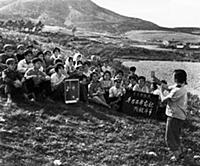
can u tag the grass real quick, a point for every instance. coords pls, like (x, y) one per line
(85, 135)
(77, 135)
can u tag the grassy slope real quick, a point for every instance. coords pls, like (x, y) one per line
(85, 135)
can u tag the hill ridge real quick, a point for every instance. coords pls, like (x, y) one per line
(83, 14)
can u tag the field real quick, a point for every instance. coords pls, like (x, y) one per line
(162, 36)
(46, 134)
(164, 70)
(52, 134)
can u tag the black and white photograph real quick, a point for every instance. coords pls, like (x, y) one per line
(99, 83)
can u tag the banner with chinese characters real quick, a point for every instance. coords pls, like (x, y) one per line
(139, 103)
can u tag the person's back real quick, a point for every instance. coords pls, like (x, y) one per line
(177, 105)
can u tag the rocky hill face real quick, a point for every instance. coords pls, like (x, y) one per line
(83, 14)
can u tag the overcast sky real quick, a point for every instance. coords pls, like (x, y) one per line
(168, 13)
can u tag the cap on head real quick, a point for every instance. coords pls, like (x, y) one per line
(35, 60)
(10, 61)
(7, 46)
(21, 46)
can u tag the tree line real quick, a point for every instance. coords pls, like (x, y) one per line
(22, 25)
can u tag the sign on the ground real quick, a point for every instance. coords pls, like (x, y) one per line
(71, 91)
(135, 103)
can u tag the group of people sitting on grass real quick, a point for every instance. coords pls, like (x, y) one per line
(38, 75)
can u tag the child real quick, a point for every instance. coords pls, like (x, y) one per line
(69, 65)
(132, 71)
(175, 111)
(25, 63)
(57, 79)
(8, 53)
(37, 81)
(141, 86)
(106, 84)
(56, 54)
(115, 93)
(12, 80)
(95, 91)
(133, 81)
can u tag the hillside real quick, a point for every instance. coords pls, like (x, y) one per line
(83, 14)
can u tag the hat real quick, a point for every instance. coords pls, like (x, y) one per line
(6, 46)
(20, 46)
(78, 66)
(10, 61)
(35, 60)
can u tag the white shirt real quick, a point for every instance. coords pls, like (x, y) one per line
(56, 80)
(144, 89)
(177, 103)
(22, 66)
(116, 92)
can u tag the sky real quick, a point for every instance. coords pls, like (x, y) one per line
(167, 13)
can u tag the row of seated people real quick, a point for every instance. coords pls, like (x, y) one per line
(43, 75)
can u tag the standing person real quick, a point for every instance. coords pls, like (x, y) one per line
(175, 111)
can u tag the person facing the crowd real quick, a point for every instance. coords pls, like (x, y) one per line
(25, 63)
(141, 86)
(176, 111)
(37, 82)
(12, 79)
(95, 91)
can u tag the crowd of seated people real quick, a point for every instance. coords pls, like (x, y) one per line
(41, 74)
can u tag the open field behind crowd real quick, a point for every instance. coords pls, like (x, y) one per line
(156, 35)
(164, 70)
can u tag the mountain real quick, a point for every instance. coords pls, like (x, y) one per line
(83, 14)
